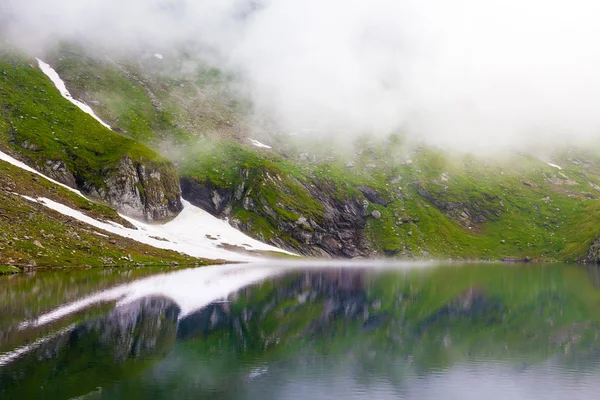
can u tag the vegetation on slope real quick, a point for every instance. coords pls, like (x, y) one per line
(427, 202)
(151, 100)
(33, 236)
(431, 205)
(55, 137)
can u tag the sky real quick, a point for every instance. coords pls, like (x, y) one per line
(458, 73)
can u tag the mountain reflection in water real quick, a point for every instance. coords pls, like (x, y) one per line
(318, 331)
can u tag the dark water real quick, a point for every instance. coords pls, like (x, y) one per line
(312, 331)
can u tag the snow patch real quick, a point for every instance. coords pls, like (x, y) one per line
(62, 88)
(554, 165)
(159, 56)
(259, 144)
(186, 233)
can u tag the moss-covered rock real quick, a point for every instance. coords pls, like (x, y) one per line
(144, 191)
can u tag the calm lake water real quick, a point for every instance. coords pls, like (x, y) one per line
(298, 331)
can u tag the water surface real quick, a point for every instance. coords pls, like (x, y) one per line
(297, 331)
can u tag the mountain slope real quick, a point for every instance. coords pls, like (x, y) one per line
(55, 226)
(33, 236)
(370, 198)
(55, 137)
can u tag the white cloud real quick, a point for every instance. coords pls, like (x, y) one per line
(457, 72)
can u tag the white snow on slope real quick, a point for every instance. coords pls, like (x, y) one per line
(554, 165)
(259, 144)
(187, 233)
(159, 56)
(62, 88)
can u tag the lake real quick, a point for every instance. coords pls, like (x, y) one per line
(317, 330)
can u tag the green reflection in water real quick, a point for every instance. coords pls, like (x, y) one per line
(394, 325)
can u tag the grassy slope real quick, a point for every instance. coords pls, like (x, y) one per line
(122, 100)
(32, 232)
(225, 163)
(22, 182)
(40, 125)
(528, 209)
(527, 214)
(151, 100)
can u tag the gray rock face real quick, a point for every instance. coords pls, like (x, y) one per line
(58, 171)
(372, 195)
(337, 234)
(208, 196)
(594, 253)
(142, 192)
(340, 232)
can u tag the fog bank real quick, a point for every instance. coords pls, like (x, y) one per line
(461, 73)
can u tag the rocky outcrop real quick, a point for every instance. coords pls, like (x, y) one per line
(467, 211)
(143, 191)
(593, 256)
(207, 196)
(335, 230)
(58, 171)
(338, 233)
(372, 195)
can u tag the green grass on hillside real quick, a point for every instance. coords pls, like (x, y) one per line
(32, 232)
(439, 206)
(153, 101)
(40, 125)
